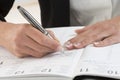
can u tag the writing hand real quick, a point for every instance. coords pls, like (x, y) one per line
(24, 40)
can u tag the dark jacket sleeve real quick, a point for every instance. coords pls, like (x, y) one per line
(5, 6)
(54, 13)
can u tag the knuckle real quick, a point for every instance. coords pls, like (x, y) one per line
(86, 42)
(75, 39)
(105, 42)
(102, 43)
(95, 37)
(17, 49)
(17, 41)
(18, 44)
(23, 28)
(18, 38)
(18, 52)
(55, 46)
(83, 43)
(109, 40)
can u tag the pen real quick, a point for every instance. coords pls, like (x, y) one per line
(33, 21)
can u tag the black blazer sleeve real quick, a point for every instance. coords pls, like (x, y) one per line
(54, 13)
(5, 6)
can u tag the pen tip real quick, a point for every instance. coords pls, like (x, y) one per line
(18, 7)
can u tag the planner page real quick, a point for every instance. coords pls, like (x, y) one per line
(101, 61)
(55, 64)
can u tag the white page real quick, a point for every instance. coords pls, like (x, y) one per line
(56, 63)
(104, 61)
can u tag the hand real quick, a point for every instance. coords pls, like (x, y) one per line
(24, 40)
(100, 34)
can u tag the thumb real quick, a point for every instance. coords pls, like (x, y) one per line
(53, 36)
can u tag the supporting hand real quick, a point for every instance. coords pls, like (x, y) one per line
(100, 34)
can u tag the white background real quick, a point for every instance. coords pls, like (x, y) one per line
(30, 5)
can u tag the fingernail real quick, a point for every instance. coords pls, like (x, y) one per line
(68, 44)
(96, 43)
(77, 45)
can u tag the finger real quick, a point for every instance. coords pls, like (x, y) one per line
(70, 44)
(93, 31)
(21, 55)
(80, 37)
(53, 36)
(34, 45)
(18, 52)
(31, 52)
(85, 35)
(107, 41)
(78, 31)
(93, 38)
(87, 38)
(42, 39)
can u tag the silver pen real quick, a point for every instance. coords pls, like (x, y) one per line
(33, 21)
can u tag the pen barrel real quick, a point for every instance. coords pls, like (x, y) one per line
(47, 34)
